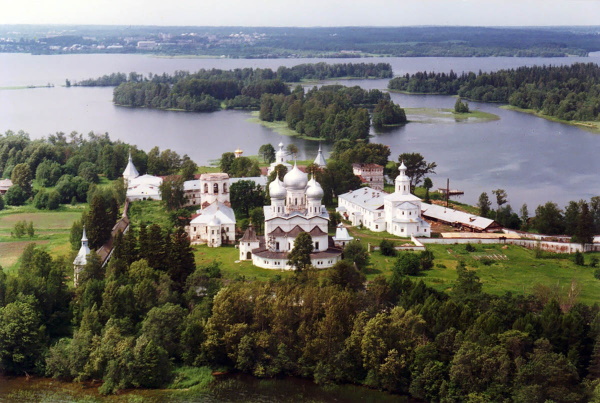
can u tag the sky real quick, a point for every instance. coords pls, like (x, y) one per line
(303, 13)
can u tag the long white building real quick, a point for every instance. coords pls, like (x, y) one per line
(398, 213)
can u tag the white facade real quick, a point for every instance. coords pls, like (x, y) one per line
(214, 225)
(209, 188)
(145, 187)
(295, 208)
(398, 213)
(342, 237)
(279, 160)
(403, 210)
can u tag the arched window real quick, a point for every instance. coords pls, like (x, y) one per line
(206, 188)
(224, 188)
(216, 188)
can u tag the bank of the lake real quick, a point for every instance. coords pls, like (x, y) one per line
(281, 127)
(225, 388)
(593, 126)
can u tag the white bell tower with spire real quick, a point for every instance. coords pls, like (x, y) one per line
(81, 258)
(402, 181)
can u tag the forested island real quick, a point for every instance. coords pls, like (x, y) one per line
(569, 93)
(283, 42)
(205, 90)
(331, 112)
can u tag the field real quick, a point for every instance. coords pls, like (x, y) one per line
(52, 230)
(511, 268)
(231, 267)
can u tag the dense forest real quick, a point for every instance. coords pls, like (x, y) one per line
(331, 112)
(565, 92)
(152, 310)
(279, 42)
(204, 90)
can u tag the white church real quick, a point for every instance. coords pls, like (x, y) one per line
(398, 213)
(144, 187)
(295, 208)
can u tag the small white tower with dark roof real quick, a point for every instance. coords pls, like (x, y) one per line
(81, 258)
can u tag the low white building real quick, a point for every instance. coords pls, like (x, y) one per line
(342, 237)
(398, 213)
(213, 225)
(144, 187)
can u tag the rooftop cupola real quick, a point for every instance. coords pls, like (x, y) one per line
(402, 181)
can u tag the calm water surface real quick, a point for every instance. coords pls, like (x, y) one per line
(534, 160)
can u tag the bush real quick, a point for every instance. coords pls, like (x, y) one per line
(597, 274)
(386, 247)
(578, 259)
(486, 261)
(593, 260)
(15, 196)
(469, 248)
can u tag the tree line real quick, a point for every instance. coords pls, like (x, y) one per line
(67, 168)
(204, 90)
(152, 310)
(565, 92)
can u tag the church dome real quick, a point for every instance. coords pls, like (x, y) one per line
(276, 190)
(314, 191)
(295, 179)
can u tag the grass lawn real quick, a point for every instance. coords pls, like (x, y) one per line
(282, 128)
(52, 230)
(514, 269)
(228, 256)
(149, 212)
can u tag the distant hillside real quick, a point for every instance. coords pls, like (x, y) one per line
(270, 42)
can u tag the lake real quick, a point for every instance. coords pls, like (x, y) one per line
(533, 159)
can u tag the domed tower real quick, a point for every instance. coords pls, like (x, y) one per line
(295, 183)
(280, 155)
(314, 195)
(277, 192)
(402, 181)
